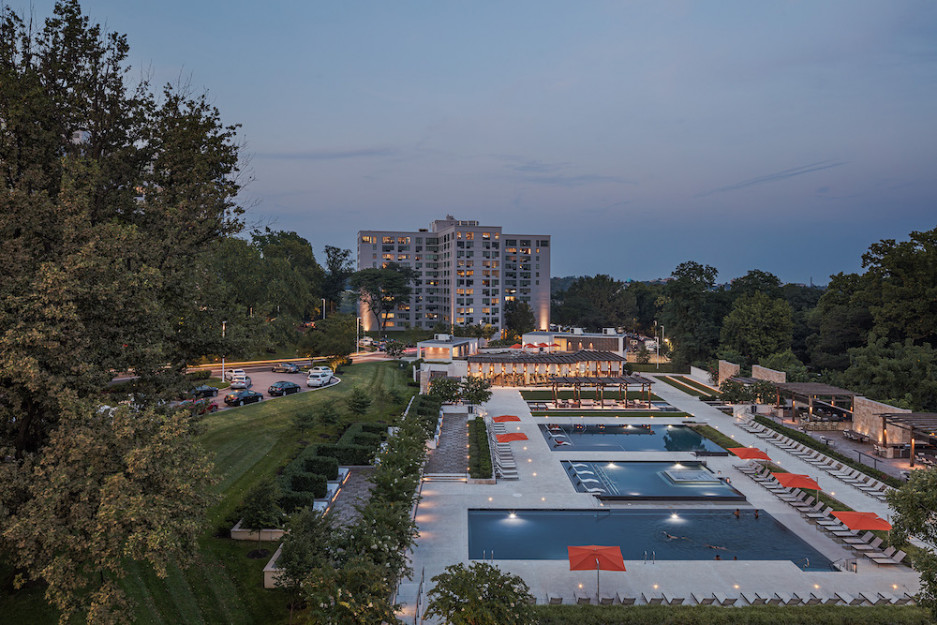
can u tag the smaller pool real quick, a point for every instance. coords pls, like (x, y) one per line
(627, 437)
(649, 481)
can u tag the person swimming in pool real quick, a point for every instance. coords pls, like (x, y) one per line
(717, 547)
(672, 537)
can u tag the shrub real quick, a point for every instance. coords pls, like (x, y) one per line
(346, 454)
(359, 401)
(479, 451)
(291, 501)
(322, 465)
(202, 374)
(366, 439)
(305, 482)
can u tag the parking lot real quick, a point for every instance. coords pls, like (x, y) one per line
(261, 378)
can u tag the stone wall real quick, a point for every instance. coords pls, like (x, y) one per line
(764, 373)
(701, 375)
(866, 420)
(727, 370)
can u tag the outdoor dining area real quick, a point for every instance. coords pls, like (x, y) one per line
(520, 368)
(606, 392)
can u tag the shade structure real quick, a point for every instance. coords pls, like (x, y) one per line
(796, 480)
(554, 344)
(505, 418)
(748, 453)
(589, 557)
(542, 345)
(862, 520)
(530, 345)
(511, 436)
(516, 346)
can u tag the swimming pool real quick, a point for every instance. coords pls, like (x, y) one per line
(657, 534)
(649, 481)
(628, 437)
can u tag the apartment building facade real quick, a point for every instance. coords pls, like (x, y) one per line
(466, 273)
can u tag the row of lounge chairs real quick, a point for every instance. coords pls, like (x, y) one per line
(853, 477)
(505, 465)
(744, 598)
(817, 512)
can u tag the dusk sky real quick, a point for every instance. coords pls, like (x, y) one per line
(783, 136)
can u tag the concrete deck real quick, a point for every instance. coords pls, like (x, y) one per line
(443, 520)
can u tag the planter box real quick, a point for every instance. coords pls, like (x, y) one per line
(260, 535)
(271, 572)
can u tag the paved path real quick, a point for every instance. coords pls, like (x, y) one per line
(355, 491)
(449, 455)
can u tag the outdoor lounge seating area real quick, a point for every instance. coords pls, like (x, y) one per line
(721, 599)
(504, 464)
(853, 477)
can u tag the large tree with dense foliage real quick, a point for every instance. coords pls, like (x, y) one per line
(111, 197)
(757, 327)
(692, 312)
(382, 289)
(597, 302)
(338, 268)
(903, 374)
(840, 322)
(479, 594)
(519, 317)
(915, 514)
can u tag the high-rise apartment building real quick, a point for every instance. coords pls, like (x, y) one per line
(466, 273)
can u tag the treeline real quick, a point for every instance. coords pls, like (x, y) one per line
(873, 332)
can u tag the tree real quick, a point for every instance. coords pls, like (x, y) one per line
(260, 509)
(692, 312)
(307, 544)
(292, 278)
(597, 302)
(479, 595)
(328, 414)
(756, 281)
(643, 356)
(109, 485)
(304, 421)
(841, 321)
(475, 390)
(757, 327)
(394, 349)
(787, 362)
(338, 268)
(903, 374)
(356, 593)
(915, 514)
(736, 392)
(359, 401)
(332, 336)
(518, 317)
(112, 197)
(382, 290)
(445, 390)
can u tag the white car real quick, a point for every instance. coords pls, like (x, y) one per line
(230, 374)
(366, 342)
(321, 370)
(319, 378)
(241, 381)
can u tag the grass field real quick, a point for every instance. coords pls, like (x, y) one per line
(683, 386)
(697, 385)
(248, 444)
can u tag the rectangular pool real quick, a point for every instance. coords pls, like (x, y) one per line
(628, 437)
(649, 481)
(664, 535)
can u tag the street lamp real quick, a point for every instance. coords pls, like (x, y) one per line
(323, 309)
(224, 325)
(357, 340)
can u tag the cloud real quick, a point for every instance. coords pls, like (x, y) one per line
(330, 155)
(561, 180)
(775, 177)
(539, 167)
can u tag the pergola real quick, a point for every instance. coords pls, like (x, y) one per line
(522, 369)
(919, 424)
(816, 394)
(600, 384)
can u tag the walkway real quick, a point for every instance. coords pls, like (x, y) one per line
(449, 455)
(355, 491)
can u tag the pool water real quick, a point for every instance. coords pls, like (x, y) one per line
(657, 534)
(627, 437)
(649, 481)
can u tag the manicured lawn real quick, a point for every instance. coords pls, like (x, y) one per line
(697, 385)
(685, 387)
(248, 444)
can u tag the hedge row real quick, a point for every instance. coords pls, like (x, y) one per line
(426, 409)
(809, 441)
(479, 452)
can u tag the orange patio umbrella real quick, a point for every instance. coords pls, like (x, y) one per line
(588, 557)
(529, 345)
(749, 453)
(542, 345)
(862, 520)
(512, 436)
(506, 417)
(516, 346)
(796, 480)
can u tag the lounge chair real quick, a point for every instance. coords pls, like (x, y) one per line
(609, 599)
(553, 599)
(652, 598)
(849, 599)
(872, 546)
(808, 599)
(833, 600)
(773, 600)
(874, 598)
(903, 599)
(583, 599)
(723, 600)
(671, 600)
(787, 599)
(754, 599)
(703, 599)
(891, 560)
(626, 600)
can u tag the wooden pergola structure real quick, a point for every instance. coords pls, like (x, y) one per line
(523, 369)
(816, 394)
(918, 424)
(599, 385)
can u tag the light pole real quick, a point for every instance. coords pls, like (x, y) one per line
(657, 346)
(323, 309)
(357, 340)
(224, 325)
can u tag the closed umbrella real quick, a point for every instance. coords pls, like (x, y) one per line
(588, 557)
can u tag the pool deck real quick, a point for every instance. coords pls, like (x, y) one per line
(443, 520)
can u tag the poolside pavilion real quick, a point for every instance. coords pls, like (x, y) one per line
(837, 402)
(523, 369)
(919, 427)
(599, 386)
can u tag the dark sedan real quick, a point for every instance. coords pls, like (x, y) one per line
(283, 388)
(204, 391)
(239, 398)
(286, 367)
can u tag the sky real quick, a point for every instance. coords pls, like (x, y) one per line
(783, 136)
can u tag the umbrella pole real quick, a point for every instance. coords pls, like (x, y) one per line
(597, 591)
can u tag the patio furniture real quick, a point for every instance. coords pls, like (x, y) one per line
(874, 598)
(652, 598)
(583, 599)
(808, 599)
(703, 599)
(626, 600)
(671, 600)
(753, 599)
(554, 599)
(891, 560)
(723, 600)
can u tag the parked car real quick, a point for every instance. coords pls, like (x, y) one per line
(366, 341)
(285, 367)
(239, 398)
(321, 369)
(204, 391)
(283, 388)
(319, 378)
(230, 374)
(199, 406)
(241, 382)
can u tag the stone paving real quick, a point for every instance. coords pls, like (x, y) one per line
(355, 491)
(449, 455)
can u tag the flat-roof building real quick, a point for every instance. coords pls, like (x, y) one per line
(466, 273)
